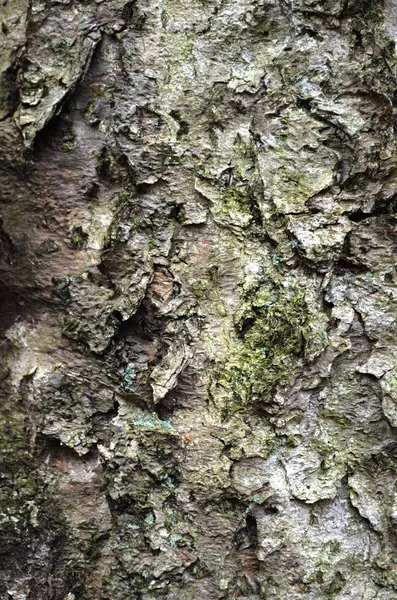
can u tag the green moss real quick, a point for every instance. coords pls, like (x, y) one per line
(88, 110)
(79, 238)
(293, 441)
(111, 167)
(271, 332)
(199, 288)
(340, 418)
(233, 199)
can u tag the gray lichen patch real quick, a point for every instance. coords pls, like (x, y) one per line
(294, 166)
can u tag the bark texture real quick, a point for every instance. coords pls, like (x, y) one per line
(198, 355)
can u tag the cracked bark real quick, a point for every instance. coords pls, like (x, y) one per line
(198, 364)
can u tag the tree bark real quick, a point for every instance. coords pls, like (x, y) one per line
(198, 356)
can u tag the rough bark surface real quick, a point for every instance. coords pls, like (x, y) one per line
(198, 355)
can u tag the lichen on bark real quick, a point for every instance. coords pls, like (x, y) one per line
(198, 289)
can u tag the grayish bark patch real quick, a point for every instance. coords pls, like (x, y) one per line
(198, 360)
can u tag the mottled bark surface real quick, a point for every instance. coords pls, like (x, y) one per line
(198, 356)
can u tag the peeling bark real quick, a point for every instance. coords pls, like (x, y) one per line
(198, 360)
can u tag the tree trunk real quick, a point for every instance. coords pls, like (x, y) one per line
(198, 300)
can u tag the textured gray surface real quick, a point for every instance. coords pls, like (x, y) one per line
(198, 287)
